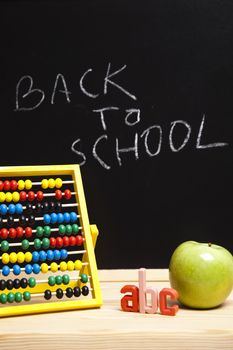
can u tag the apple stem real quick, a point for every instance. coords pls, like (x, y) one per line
(209, 244)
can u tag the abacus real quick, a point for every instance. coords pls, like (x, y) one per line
(47, 260)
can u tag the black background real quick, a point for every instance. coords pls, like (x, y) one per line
(179, 66)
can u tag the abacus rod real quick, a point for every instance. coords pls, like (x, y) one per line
(71, 252)
(65, 205)
(71, 279)
(51, 194)
(39, 218)
(23, 268)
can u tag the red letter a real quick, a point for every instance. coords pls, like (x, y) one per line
(130, 302)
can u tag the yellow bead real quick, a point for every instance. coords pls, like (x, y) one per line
(8, 197)
(15, 197)
(5, 258)
(20, 257)
(51, 183)
(63, 266)
(58, 182)
(54, 267)
(13, 257)
(2, 197)
(28, 257)
(44, 267)
(78, 265)
(44, 184)
(70, 265)
(21, 185)
(28, 184)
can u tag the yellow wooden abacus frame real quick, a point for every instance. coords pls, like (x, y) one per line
(90, 233)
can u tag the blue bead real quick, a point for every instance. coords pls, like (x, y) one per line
(5, 270)
(18, 208)
(64, 253)
(11, 209)
(53, 218)
(47, 219)
(42, 255)
(35, 256)
(36, 268)
(16, 270)
(57, 254)
(66, 217)
(60, 218)
(3, 209)
(73, 216)
(50, 254)
(28, 269)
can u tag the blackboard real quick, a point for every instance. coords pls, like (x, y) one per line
(140, 94)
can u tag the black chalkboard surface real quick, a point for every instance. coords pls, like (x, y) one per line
(140, 94)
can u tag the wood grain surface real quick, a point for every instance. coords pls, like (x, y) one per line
(110, 328)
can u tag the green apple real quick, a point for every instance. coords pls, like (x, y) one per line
(202, 274)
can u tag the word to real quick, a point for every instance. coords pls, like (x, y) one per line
(136, 301)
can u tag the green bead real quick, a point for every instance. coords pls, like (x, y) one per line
(62, 229)
(45, 243)
(3, 298)
(25, 244)
(27, 296)
(31, 282)
(39, 231)
(66, 279)
(18, 297)
(4, 246)
(84, 278)
(69, 230)
(58, 279)
(51, 280)
(10, 297)
(75, 228)
(47, 231)
(37, 243)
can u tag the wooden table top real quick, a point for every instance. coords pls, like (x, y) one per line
(110, 328)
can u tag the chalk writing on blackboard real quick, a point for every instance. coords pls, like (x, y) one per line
(132, 117)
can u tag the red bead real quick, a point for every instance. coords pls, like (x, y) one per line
(23, 196)
(79, 240)
(12, 232)
(67, 194)
(59, 242)
(66, 241)
(28, 232)
(31, 196)
(6, 185)
(53, 242)
(19, 231)
(14, 185)
(4, 233)
(40, 195)
(72, 240)
(1, 185)
(58, 194)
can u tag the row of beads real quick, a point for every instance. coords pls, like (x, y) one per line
(26, 296)
(11, 209)
(43, 207)
(18, 283)
(31, 282)
(45, 243)
(60, 218)
(27, 184)
(39, 231)
(31, 196)
(69, 292)
(36, 268)
(52, 218)
(35, 256)
(17, 297)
